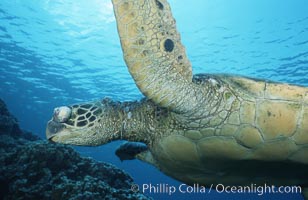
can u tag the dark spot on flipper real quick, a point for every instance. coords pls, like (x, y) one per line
(180, 59)
(159, 5)
(169, 45)
(141, 42)
(145, 52)
(128, 150)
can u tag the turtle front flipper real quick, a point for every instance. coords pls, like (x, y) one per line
(129, 150)
(154, 54)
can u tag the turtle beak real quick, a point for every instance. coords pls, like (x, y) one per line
(55, 125)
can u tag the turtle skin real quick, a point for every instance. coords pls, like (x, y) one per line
(207, 129)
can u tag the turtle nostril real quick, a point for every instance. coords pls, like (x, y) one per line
(62, 114)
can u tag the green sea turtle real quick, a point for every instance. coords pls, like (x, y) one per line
(206, 129)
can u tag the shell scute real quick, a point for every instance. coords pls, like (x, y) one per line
(277, 119)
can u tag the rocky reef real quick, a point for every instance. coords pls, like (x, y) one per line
(32, 168)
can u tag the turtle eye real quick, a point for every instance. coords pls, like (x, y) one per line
(62, 114)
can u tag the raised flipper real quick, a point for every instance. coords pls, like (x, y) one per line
(154, 54)
(129, 150)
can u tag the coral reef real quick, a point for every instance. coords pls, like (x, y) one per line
(8, 123)
(34, 169)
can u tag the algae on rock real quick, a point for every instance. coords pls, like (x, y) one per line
(35, 169)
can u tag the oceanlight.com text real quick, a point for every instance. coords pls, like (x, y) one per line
(164, 188)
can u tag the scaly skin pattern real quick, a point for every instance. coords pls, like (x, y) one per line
(154, 54)
(257, 133)
(251, 132)
(206, 129)
(99, 122)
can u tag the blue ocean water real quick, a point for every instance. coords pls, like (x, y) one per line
(59, 52)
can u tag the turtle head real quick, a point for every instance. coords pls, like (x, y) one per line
(87, 124)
